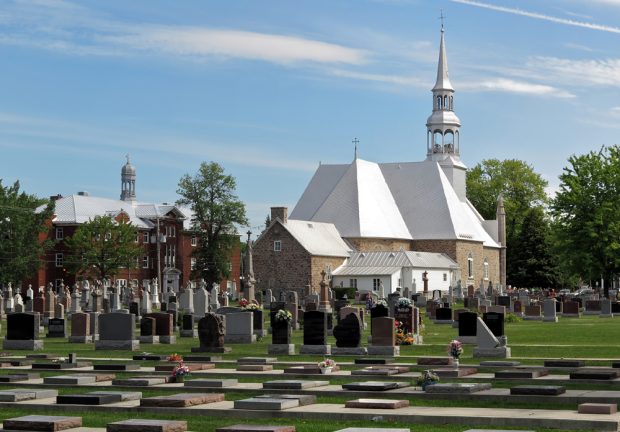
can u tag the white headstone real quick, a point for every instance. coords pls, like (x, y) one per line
(485, 339)
(201, 302)
(215, 303)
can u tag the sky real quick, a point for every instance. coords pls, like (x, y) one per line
(270, 89)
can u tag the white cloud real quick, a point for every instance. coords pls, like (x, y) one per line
(408, 81)
(512, 86)
(540, 16)
(578, 47)
(578, 72)
(195, 41)
(615, 112)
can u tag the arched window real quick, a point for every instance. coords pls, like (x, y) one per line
(486, 269)
(470, 266)
(448, 141)
(437, 141)
(452, 103)
(457, 142)
(445, 102)
(438, 102)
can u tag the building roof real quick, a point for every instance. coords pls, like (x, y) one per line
(78, 209)
(319, 239)
(384, 263)
(412, 200)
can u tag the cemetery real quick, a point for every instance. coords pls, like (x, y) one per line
(342, 367)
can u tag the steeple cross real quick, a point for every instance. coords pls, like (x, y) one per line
(442, 17)
(127, 156)
(355, 142)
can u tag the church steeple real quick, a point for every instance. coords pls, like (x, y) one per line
(443, 127)
(128, 182)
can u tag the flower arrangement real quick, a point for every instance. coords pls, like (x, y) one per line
(175, 358)
(455, 349)
(402, 338)
(327, 363)
(427, 378)
(243, 303)
(381, 302)
(251, 307)
(283, 315)
(180, 370)
(403, 302)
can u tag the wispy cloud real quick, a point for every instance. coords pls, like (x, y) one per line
(541, 16)
(62, 136)
(512, 86)
(408, 81)
(578, 47)
(578, 72)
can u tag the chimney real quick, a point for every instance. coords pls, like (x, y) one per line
(55, 197)
(280, 213)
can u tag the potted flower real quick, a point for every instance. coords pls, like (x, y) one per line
(428, 377)
(326, 366)
(179, 372)
(403, 302)
(175, 358)
(283, 316)
(243, 303)
(455, 350)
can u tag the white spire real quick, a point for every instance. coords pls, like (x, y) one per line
(443, 78)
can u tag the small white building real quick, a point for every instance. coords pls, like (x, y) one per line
(374, 271)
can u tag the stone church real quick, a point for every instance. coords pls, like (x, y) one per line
(412, 206)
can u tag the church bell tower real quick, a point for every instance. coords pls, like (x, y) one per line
(443, 127)
(128, 182)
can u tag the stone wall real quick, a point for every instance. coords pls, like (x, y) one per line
(372, 244)
(290, 268)
(319, 264)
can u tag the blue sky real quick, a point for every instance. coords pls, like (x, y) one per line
(271, 88)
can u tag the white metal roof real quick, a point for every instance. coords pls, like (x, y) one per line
(320, 239)
(78, 209)
(412, 200)
(382, 263)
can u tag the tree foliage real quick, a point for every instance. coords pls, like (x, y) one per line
(586, 214)
(210, 194)
(102, 246)
(22, 218)
(523, 190)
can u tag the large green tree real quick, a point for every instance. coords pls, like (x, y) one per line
(103, 246)
(586, 213)
(522, 189)
(22, 218)
(210, 194)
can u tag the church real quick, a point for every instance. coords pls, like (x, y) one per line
(364, 206)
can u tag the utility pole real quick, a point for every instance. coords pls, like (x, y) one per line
(159, 280)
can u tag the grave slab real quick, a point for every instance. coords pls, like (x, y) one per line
(455, 373)
(537, 390)
(116, 367)
(356, 429)
(16, 395)
(58, 366)
(495, 430)
(377, 403)
(201, 359)
(381, 370)
(18, 377)
(597, 408)
(293, 384)
(125, 396)
(373, 361)
(42, 423)
(499, 363)
(568, 363)
(192, 367)
(257, 360)
(255, 428)
(71, 379)
(143, 357)
(139, 381)
(254, 367)
(267, 404)
(302, 399)
(594, 374)
(182, 400)
(521, 373)
(307, 370)
(435, 361)
(211, 383)
(88, 399)
(144, 425)
(373, 386)
(457, 388)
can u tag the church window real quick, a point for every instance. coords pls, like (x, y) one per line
(445, 101)
(438, 102)
(437, 141)
(486, 269)
(145, 237)
(449, 141)
(451, 103)
(59, 233)
(470, 267)
(277, 246)
(353, 283)
(194, 240)
(145, 261)
(60, 258)
(375, 284)
(445, 277)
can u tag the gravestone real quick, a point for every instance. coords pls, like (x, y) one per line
(606, 309)
(22, 331)
(148, 334)
(211, 333)
(116, 332)
(405, 316)
(275, 307)
(57, 328)
(187, 326)
(443, 315)
(348, 335)
(550, 311)
(164, 327)
(532, 312)
(505, 301)
(383, 338)
(281, 338)
(467, 327)
(258, 322)
(378, 311)
(94, 325)
(487, 345)
(240, 328)
(201, 302)
(495, 322)
(517, 308)
(592, 307)
(80, 328)
(315, 333)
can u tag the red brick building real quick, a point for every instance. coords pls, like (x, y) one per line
(162, 230)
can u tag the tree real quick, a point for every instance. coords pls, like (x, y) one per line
(23, 218)
(586, 214)
(102, 246)
(522, 189)
(216, 209)
(532, 258)
(267, 221)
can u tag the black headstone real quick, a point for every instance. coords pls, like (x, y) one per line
(468, 323)
(495, 322)
(404, 315)
(188, 322)
(281, 332)
(211, 331)
(315, 328)
(275, 307)
(57, 327)
(257, 319)
(348, 332)
(615, 307)
(504, 301)
(147, 326)
(22, 326)
(443, 314)
(134, 308)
